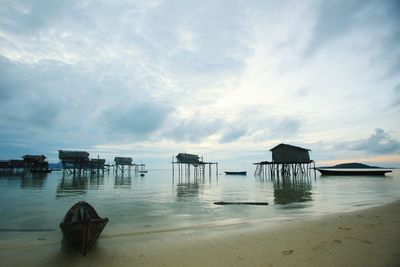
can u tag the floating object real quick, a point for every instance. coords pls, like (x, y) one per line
(352, 169)
(333, 171)
(142, 175)
(143, 171)
(81, 227)
(236, 173)
(241, 203)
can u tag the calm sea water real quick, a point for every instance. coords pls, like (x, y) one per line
(156, 201)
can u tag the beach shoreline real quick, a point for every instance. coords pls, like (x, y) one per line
(367, 237)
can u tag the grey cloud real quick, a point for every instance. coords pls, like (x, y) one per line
(390, 51)
(25, 96)
(215, 38)
(336, 18)
(139, 118)
(287, 127)
(232, 134)
(333, 19)
(194, 129)
(52, 104)
(396, 98)
(379, 143)
(29, 17)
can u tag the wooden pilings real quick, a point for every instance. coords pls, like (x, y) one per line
(198, 171)
(272, 169)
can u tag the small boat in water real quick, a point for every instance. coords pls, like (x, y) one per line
(81, 227)
(236, 173)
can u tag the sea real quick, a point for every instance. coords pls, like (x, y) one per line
(164, 201)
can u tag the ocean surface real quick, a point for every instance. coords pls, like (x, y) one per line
(159, 201)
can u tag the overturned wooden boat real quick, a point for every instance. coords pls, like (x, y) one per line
(236, 173)
(81, 227)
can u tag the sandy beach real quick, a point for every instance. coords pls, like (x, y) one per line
(368, 237)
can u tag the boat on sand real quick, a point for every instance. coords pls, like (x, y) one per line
(81, 227)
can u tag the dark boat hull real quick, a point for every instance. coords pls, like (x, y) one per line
(82, 233)
(236, 173)
(353, 172)
(241, 203)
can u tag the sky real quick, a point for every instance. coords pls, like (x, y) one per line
(227, 80)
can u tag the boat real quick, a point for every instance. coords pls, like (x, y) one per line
(241, 203)
(81, 227)
(353, 169)
(333, 171)
(236, 173)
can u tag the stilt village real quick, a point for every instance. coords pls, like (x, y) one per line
(287, 161)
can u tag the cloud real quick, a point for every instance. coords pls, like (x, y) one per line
(194, 129)
(137, 119)
(233, 133)
(82, 74)
(26, 99)
(334, 18)
(286, 127)
(29, 17)
(396, 98)
(338, 19)
(378, 143)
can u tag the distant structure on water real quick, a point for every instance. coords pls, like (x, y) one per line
(123, 164)
(29, 163)
(286, 160)
(74, 162)
(78, 162)
(188, 162)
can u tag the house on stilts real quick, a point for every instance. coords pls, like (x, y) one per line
(188, 164)
(286, 160)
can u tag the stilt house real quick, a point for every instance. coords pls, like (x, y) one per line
(35, 162)
(284, 153)
(188, 158)
(123, 161)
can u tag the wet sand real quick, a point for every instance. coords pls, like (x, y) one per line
(369, 237)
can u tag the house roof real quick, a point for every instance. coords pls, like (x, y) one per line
(34, 157)
(291, 146)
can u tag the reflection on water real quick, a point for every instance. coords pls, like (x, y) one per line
(72, 185)
(131, 202)
(292, 189)
(187, 190)
(96, 180)
(27, 180)
(122, 180)
(33, 180)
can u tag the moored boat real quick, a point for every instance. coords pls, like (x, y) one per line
(353, 169)
(333, 171)
(236, 173)
(81, 227)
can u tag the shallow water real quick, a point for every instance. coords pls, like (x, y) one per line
(132, 203)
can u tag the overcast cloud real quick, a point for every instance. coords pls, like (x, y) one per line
(218, 78)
